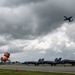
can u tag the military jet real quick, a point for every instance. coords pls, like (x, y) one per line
(70, 19)
(67, 61)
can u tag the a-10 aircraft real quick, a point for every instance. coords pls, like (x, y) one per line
(57, 61)
(70, 19)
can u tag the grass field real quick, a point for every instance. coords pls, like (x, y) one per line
(22, 72)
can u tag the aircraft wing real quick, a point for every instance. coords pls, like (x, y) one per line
(70, 17)
(65, 16)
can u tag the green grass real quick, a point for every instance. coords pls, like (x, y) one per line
(22, 72)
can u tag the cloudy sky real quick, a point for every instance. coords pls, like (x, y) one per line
(33, 29)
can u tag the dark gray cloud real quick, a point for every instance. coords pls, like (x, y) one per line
(34, 20)
(14, 3)
(50, 15)
(17, 23)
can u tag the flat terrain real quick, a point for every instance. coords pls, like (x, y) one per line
(23, 72)
(40, 68)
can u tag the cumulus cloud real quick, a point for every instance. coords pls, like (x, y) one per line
(36, 28)
(55, 44)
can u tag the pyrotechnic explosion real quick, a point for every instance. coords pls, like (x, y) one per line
(5, 57)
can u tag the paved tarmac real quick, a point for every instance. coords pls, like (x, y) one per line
(40, 68)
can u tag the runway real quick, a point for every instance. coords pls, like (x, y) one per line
(39, 68)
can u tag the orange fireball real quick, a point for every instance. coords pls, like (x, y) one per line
(7, 54)
(4, 58)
